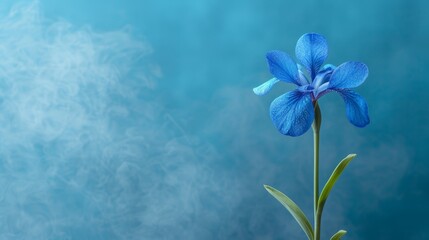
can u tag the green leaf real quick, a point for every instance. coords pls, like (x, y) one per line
(293, 209)
(331, 181)
(339, 235)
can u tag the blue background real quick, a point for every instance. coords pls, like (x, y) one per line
(136, 120)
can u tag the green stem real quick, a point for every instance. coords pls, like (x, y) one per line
(316, 129)
(316, 185)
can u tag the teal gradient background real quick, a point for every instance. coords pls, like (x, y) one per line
(136, 120)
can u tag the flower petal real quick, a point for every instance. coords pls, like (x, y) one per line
(283, 67)
(322, 90)
(322, 77)
(348, 75)
(312, 50)
(356, 107)
(303, 80)
(292, 113)
(265, 87)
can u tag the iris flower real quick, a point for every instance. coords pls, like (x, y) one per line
(293, 112)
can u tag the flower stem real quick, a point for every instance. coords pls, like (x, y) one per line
(316, 129)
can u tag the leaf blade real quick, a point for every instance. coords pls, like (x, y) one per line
(332, 180)
(296, 212)
(338, 235)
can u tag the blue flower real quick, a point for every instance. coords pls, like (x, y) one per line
(293, 112)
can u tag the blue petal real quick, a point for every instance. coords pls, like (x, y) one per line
(348, 75)
(292, 113)
(322, 90)
(328, 67)
(303, 80)
(265, 87)
(312, 50)
(283, 67)
(322, 77)
(356, 107)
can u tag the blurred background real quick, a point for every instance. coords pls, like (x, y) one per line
(136, 120)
